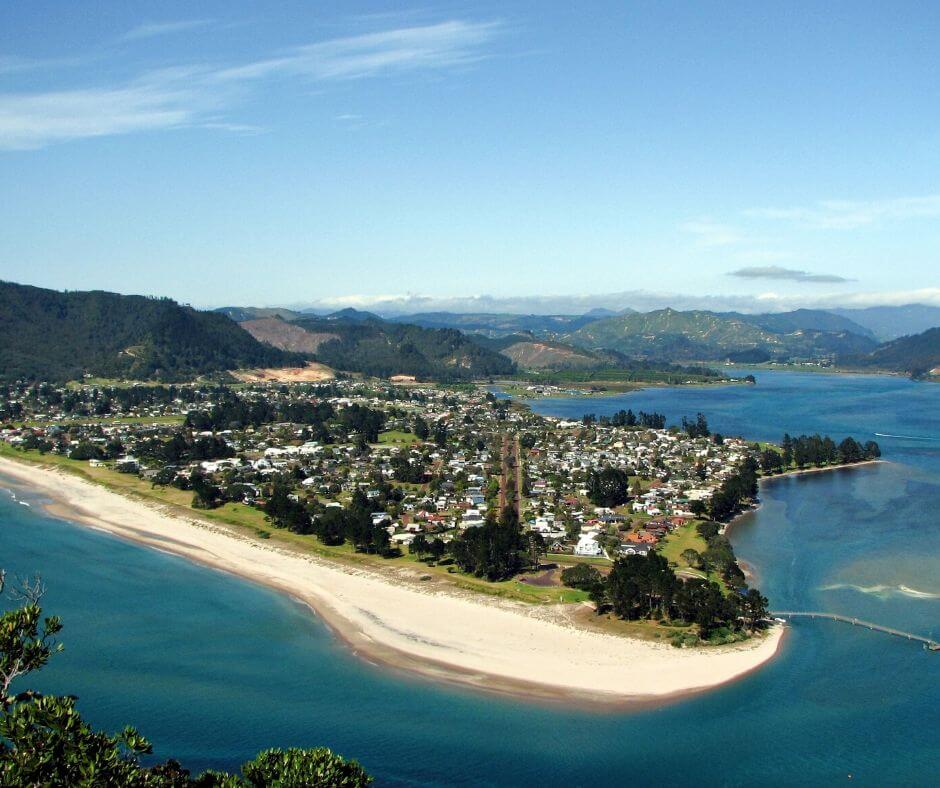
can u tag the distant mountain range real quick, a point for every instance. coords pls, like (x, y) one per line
(603, 339)
(53, 336)
(56, 336)
(890, 322)
(496, 325)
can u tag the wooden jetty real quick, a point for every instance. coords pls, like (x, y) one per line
(930, 645)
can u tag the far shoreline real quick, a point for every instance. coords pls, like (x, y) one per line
(528, 653)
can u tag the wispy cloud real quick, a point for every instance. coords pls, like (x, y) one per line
(786, 274)
(185, 96)
(154, 29)
(32, 121)
(853, 214)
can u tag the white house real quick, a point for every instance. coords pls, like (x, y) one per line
(588, 545)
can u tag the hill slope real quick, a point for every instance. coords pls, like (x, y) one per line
(286, 336)
(667, 334)
(498, 324)
(380, 348)
(48, 335)
(802, 320)
(531, 353)
(917, 355)
(242, 313)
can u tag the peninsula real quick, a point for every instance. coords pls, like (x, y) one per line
(398, 620)
(439, 529)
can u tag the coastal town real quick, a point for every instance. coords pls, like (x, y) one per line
(429, 474)
(429, 460)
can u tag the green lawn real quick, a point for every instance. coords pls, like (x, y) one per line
(398, 438)
(683, 538)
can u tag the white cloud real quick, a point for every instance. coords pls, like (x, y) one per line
(183, 96)
(641, 300)
(32, 121)
(153, 29)
(853, 214)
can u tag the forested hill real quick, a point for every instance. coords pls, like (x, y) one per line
(54, 336)
(917, 355)
(668, 334)
(380, 348)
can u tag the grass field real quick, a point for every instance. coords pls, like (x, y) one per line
(398, 438)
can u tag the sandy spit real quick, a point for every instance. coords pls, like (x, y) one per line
(528, 651)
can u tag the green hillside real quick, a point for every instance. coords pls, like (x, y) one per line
(917, 355)
(379, 348)
(48, 335)
(802, 320)
(498, 324)
(668, 334)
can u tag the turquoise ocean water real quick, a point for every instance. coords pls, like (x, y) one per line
(212, 668)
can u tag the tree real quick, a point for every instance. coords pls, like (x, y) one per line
(419, 546)
(697, 428)
(691, 557)
(421, 428)
(86, 451)
(850, 451)
(754, 608)
(318, 767)
(536, 547)
(608, 487)
(583, 577)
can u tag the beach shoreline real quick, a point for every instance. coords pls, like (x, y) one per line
(532, 652)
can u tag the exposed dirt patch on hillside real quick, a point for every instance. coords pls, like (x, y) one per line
(312, 373)
(545, 355)
(286, 336)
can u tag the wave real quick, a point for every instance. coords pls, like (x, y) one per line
(883, 590)
(906, 437)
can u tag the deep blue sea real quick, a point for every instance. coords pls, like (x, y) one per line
(212, 668)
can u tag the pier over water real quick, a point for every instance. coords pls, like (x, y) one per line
(930, 645)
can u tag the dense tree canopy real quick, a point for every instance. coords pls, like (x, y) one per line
(48, 335)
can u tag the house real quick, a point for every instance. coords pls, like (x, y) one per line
(588, 545)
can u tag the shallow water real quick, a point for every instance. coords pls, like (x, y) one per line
(213, 669)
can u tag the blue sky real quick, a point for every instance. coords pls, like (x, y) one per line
(549, 156)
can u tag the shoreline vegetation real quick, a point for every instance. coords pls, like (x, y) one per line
(402, 618)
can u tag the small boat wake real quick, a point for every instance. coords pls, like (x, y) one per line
(907, 437)
(883, 591)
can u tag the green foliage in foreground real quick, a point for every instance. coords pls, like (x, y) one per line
(45, 742)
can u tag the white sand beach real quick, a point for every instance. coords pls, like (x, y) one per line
(499, 645)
